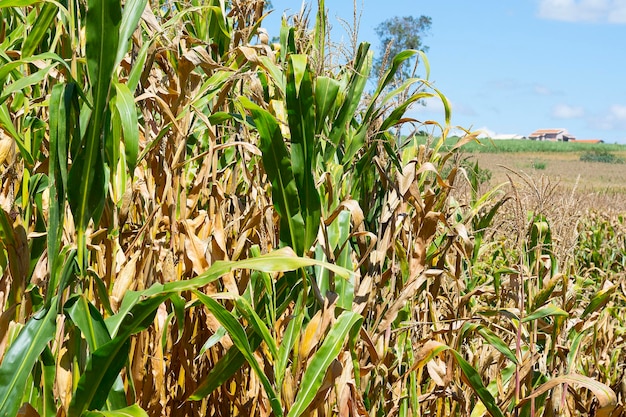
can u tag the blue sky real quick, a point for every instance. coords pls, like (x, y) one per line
(511, 66)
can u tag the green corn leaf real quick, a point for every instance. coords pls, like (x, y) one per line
(294, 329)
(95, 384)
(17, 3)
(549, 310)
(68, 273)
(130, 18)
(26, 81)
(7, 68)
(213, 340)
(344, 287)
(217, 29)
(355, 87)
(228, 364)
(130, 300)
(493, 340)
(132, 411)
(246, 310)
(276, 72)
(489, 336)
(301, 118)
(125, 106)
(63, 126)
(178, 305)
(58, 130)
(354, 141)
(474, 380)
(446, 106)
(398, 113)
(408, 83)
(575, 346)
(280, 260)
(279, 170)
(20, 359)
(599, 300)
(546, 292)
(321, 360)
(386, 81)
(87, 177)
(240, 340)
(89, 320)
(138, 66)
(326, 90)
(91, 324)
(7, 123)
(48, 376)
(396, 64)
(45, 17)
(287, 41)
(106, 362)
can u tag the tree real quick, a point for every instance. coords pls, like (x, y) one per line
(398, 34)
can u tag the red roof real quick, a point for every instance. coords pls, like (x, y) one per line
(587, 141)
(541, 132)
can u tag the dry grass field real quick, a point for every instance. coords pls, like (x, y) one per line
(565, 168)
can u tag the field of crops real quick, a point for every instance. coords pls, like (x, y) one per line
(486, 145)
(588, 168)
(194, 223)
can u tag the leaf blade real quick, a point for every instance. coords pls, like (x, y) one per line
(20, 358)
(321, 360)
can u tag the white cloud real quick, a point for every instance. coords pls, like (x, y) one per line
(612, 11)
(544, 90)
(612, 119)
(564, 111)
(618, 112)
(618, 15)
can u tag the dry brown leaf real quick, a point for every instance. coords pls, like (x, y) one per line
(63, 384)
(151, 20)
(6, 318)
(406, 177)
(356, 214)
(407, 293)
(437, 371)
(606, 397)
(27, 410)
(125, 280)
(40, 273)
(311, 336)
(7, 150)
(195, 250)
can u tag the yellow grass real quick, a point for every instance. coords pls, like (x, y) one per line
(565, 168)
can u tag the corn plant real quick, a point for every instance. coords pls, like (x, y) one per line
(194, 223)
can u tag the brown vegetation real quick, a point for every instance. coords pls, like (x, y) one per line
(215, 227)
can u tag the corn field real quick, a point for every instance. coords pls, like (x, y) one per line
(195, 221)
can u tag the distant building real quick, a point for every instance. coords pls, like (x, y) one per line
(554, 135)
